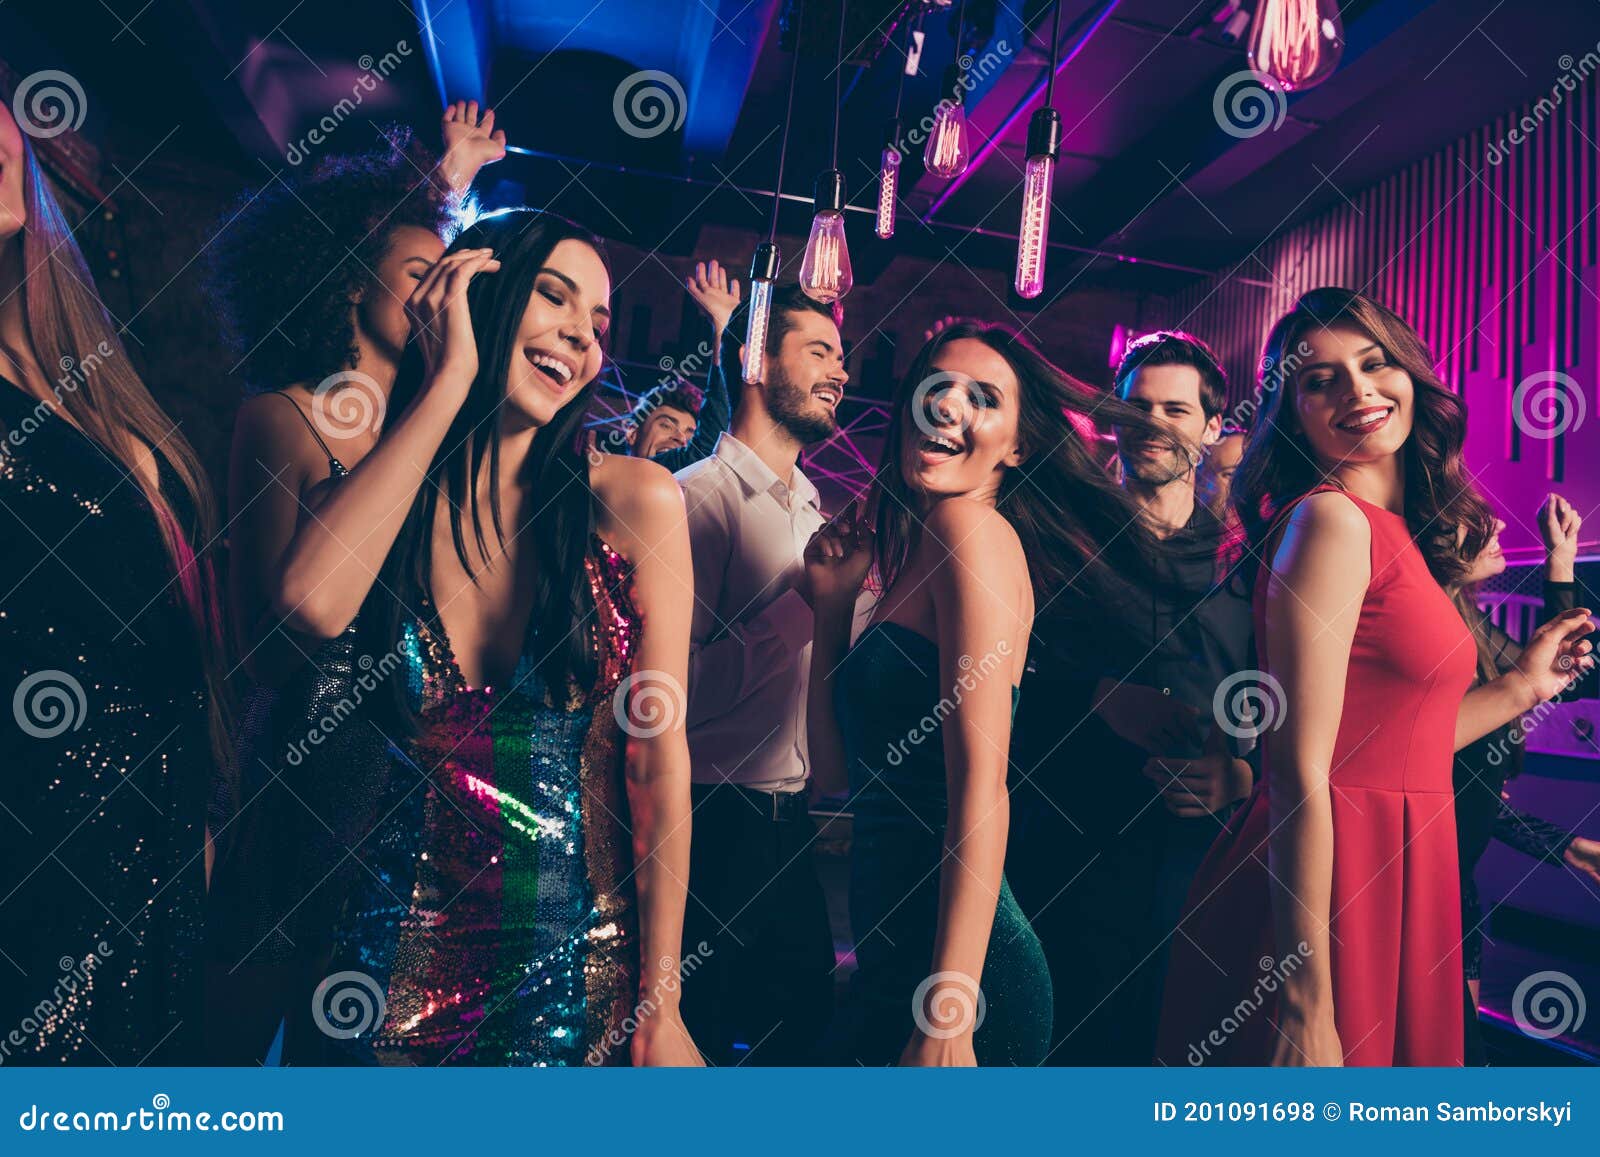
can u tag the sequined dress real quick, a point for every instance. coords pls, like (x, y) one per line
(104, 759)
(495, 922)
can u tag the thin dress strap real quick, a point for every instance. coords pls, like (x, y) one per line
(335, 467)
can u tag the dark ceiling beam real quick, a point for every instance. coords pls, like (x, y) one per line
(720, 62)
(1191, 154)
(579, 164)
(217, 33)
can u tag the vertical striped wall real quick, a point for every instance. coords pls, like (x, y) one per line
(1494, 263)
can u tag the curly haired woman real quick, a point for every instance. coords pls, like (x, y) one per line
(311, 278)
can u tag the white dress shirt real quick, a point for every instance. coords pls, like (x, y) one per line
(750, 643)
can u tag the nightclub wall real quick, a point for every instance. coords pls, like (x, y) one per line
(1488, 246)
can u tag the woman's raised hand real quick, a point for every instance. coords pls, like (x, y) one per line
(838, 558)
(1559, 523)
(440, 322)
(1557, 654)
(470, 142)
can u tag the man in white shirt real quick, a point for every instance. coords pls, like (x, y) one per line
(761, 988)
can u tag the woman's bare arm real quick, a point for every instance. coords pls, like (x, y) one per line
(337, 549)
(983, 609)
(1316, 586)
(1557, 656)
(642, 515)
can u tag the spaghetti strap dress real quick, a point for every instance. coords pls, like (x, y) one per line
(1395, 931)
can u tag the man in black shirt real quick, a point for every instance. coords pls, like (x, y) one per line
(1116, 806)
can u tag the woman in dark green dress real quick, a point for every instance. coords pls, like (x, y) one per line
(988, 498)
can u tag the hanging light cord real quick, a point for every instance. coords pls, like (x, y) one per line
(961, 22)
(911, 37)
(838, 74)
(788, 115)
(1055, 56)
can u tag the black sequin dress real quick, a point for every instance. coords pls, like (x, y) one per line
(104, 759)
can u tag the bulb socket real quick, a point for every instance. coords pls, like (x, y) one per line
(829, 192)
(764, 265)
(1044, 134)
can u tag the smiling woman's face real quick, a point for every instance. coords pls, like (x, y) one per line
(13, 201)
(961, 431)
(381, 312)
(558, 341)
(1352, 402)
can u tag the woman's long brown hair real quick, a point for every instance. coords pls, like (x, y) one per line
(68, 324)
(1441, 503)
(1081, 531)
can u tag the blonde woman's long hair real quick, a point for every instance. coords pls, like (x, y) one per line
(68, 325)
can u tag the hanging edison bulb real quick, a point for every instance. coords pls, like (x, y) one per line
(1297, 42)
(825, 273)
(888, 182)
(1044, 142)
(763, 270)
(946, 154)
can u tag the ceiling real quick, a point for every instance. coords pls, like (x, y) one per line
(1150, 190)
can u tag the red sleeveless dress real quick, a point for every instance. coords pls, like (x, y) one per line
(1395, 934)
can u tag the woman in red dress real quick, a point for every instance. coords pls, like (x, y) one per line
(1324, 925)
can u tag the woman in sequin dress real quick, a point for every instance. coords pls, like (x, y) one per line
(309, 275)
(510, 885)
(107, 647)
(991, 501)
